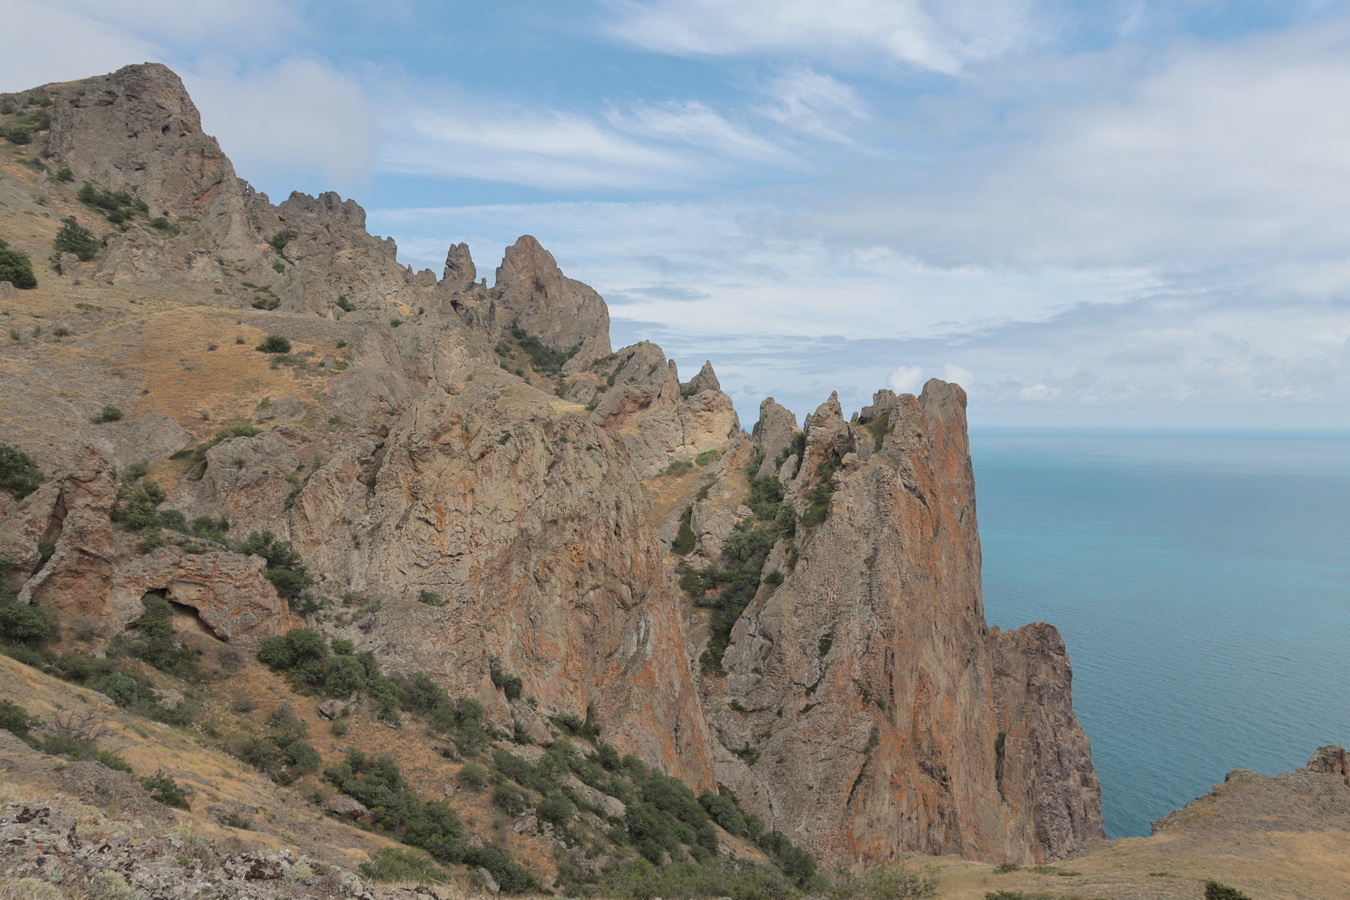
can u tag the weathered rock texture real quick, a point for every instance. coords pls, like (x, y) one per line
(462, 514)
(562, 313)
(878, 712)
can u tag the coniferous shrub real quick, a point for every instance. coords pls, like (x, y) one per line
(165, 790)
(75, 238)
(16, 268)
(18, 473)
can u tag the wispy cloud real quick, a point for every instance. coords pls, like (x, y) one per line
(940, 37)
(631, 146)
(813, 104)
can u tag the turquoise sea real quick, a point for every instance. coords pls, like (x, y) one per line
(1202, 582)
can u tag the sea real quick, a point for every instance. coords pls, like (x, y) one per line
(1201, 580)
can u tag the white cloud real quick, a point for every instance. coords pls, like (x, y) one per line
(635, 146)
(201, 23)
(907, 380)
(1037, 392)
(1224, 157)
(938, 36)
(298, 119)
(813, 104)
(58, 44)
(695, 124)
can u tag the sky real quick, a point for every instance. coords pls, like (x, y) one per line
(1119, 212)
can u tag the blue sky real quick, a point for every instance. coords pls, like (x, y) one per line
(1110, 213)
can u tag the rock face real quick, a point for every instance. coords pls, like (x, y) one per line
(660, 422)
(877, 712)
(138, 130)
(229, 593)
(533, 528)
(865, 710)
(1331, 760)
(460, 273)
(563, 314)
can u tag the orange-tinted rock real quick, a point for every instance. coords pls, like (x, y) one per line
(866, 706)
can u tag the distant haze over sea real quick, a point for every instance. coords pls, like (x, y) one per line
(1202, 582)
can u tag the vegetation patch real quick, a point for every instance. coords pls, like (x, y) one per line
(728, 587)
(544, 359)
(274, 343)
(118, 207)
(75, 238)
(18, 473)
(16, 268)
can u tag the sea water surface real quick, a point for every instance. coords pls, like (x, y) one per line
(1202, 582)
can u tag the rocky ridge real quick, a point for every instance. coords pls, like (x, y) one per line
(419, 444)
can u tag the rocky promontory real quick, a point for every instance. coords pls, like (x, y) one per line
(468, 483)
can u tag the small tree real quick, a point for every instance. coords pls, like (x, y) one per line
(75, 238)
(16, 268)
(274, 343)
(18, 473)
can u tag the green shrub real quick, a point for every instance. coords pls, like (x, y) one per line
(108, 414)
(284, 568)
(556, 809)
(18, 473)
(295, 648)
(685, 539)
(510, 876)
(430, 598)
(274, 343)
(403, 865)
(165, 790)
(63, 176)
(892, 880)
(341, 676)
(471, 775)
(1216, 891)
(108, 885)
(638, 879)
(510, 685)
(508, 798)
(25, 623)
(75, 238)
(436, 829)
(16, 267)
(279, 240)
(724, 812)
(162, 224)
(157, 644)
(121, 688)
(117, 206)
(545, 360)
(16, 720)
(379, 784)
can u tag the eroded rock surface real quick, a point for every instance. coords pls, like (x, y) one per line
(863, 692)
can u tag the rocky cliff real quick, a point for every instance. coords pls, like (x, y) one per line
(475, 481)
(866, 682)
